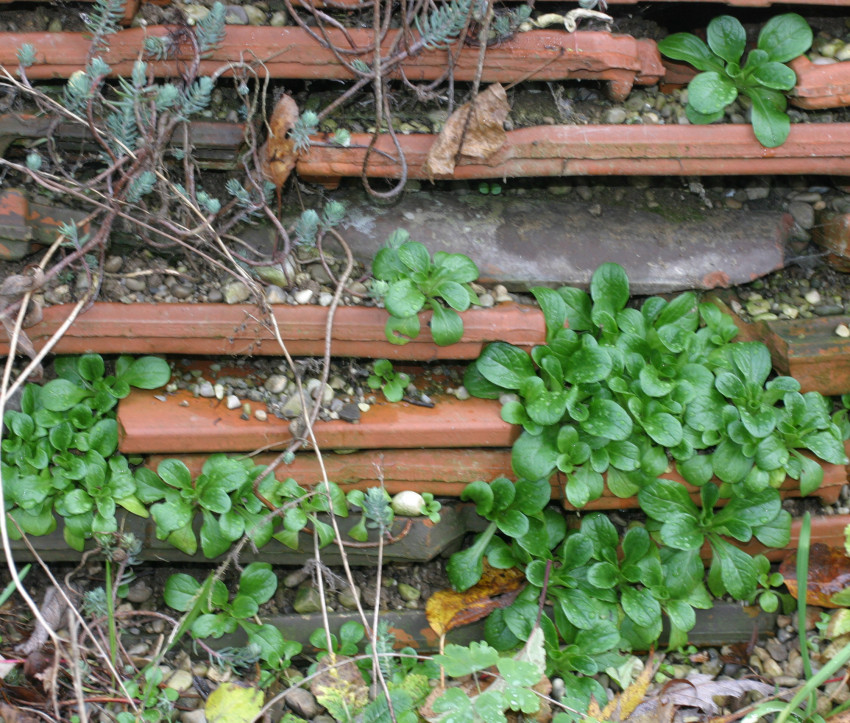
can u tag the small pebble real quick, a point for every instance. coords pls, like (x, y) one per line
(206, 389)
(303, 296)
(843, 331)
(261, 415)
(363, 407)
(233, 402)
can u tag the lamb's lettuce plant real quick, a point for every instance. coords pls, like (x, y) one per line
(216, 614)
(223, 494)
(413, 282)
(628, 392)
(763, 77)
(59, 452)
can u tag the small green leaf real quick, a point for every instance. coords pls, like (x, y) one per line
(59, 395)
(446, 325)
(147, 372)
(180, 591)
(505, 365)
(404, 299)
(727, 38)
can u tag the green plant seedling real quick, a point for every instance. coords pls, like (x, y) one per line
(415, 281)
(351, 633)
(218, 614)
(377, 512)
(391, 382)
(763, 77)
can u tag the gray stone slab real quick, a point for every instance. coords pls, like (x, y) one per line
(539, 239)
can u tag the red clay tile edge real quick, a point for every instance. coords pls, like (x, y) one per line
(222, 329)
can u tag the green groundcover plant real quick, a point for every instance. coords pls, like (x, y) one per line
(59, 452)
(619, 395)
(763, 77)
(408, 281)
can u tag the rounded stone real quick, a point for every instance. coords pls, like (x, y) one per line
(276, 295)
(615, 116)
(136, 283)
(236, 292)
(113, 264)
(803, 214)
(303, 296)
(276, 383)
(233, 402)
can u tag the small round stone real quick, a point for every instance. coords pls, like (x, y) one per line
(261, 415)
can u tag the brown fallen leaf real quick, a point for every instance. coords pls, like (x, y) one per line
(278, 152)
(11, 714)
(697, 691)
(829, 573)
(448, 609)
(475, 130)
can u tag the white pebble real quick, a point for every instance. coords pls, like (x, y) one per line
(842, 330)
(233, 402)
(363, 407)
(261, 415)
(219, 391)
(813, 297)
(303, 296)
(325, 298)
(461, 393)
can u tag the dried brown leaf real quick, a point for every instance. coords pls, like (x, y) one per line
(448, 609)
(475, 130)
(698, 691)
(278, 152)
(829, 573)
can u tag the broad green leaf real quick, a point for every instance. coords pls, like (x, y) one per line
(726, 38)
(478, 385)
(688, 47)
(610, 284)
(737, 569)
(457, 267)
(402, 330)
(770, 121)
(775, 75)
(147, 372)
(711, 92)
(175, 474)
(663, 428)
(578, 308)
(826, 446)
(535, 456)
(482, 494)
(662, 499)
(505, 365)
(554, 309)
(454, 295)
(641, 606)
(729, 462)
(59, 395)
(90, 367)
(404, 299)
(415, 257)
(607, 419)
(387, 266)
(244, 606)
(103, 437)
(584, 486)
(180, 591)
(446, 325)
(784, 37)
(682, 533)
